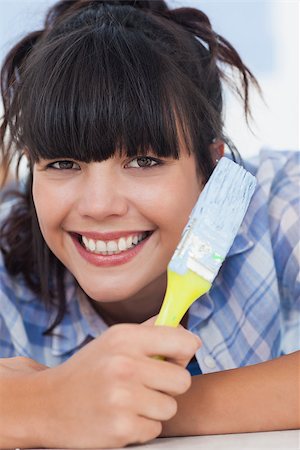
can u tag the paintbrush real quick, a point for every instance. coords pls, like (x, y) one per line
(206, 239)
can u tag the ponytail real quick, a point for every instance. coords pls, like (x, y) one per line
(220, 50)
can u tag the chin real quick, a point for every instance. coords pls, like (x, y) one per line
(107, 295)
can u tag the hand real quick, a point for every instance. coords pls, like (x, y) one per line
(112, 392)
(177, 360)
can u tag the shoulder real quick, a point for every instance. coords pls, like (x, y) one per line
(275, 169)
(23, 317)
(278, 177)
(13, 286)
(11, 318)
(13, 290)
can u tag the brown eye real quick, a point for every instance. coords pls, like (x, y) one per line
(143, 162)
(64, 165)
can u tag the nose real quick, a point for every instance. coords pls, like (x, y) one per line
(102, 192)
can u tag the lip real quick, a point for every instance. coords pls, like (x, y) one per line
(110, 236)
(108, 260)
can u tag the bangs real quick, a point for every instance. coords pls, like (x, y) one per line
(99, 91)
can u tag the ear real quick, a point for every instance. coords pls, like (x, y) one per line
(217, 149)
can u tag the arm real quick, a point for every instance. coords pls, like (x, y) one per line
(261, 397)
(19, 399)
(109, 394)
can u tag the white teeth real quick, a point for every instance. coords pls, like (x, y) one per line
(122, 244)
(85, 241)
(92, 245)
(100, 246)
(112, 247)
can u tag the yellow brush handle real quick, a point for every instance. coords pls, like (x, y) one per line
(182, 291)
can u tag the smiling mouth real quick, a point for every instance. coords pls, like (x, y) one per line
(112, 247)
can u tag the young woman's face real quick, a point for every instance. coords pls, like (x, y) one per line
(133, 207)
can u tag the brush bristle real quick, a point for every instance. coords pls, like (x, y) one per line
(214, 220)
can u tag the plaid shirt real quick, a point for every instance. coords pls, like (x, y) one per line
(251, 314)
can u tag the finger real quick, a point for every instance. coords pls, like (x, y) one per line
(146, 430)
(176, 343)
(131, 428)
(164, 376)
(180, 362)
(154, 405)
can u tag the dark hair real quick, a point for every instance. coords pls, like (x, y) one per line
(101, 77)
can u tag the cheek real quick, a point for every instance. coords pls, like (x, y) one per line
(49, 208)
(169, 208)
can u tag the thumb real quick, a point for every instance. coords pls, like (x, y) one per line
(152, 320)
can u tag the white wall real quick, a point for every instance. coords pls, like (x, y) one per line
(265, 32)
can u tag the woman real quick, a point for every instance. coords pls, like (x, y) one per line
(117, 107)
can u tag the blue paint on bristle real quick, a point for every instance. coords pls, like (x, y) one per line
(214, 220)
